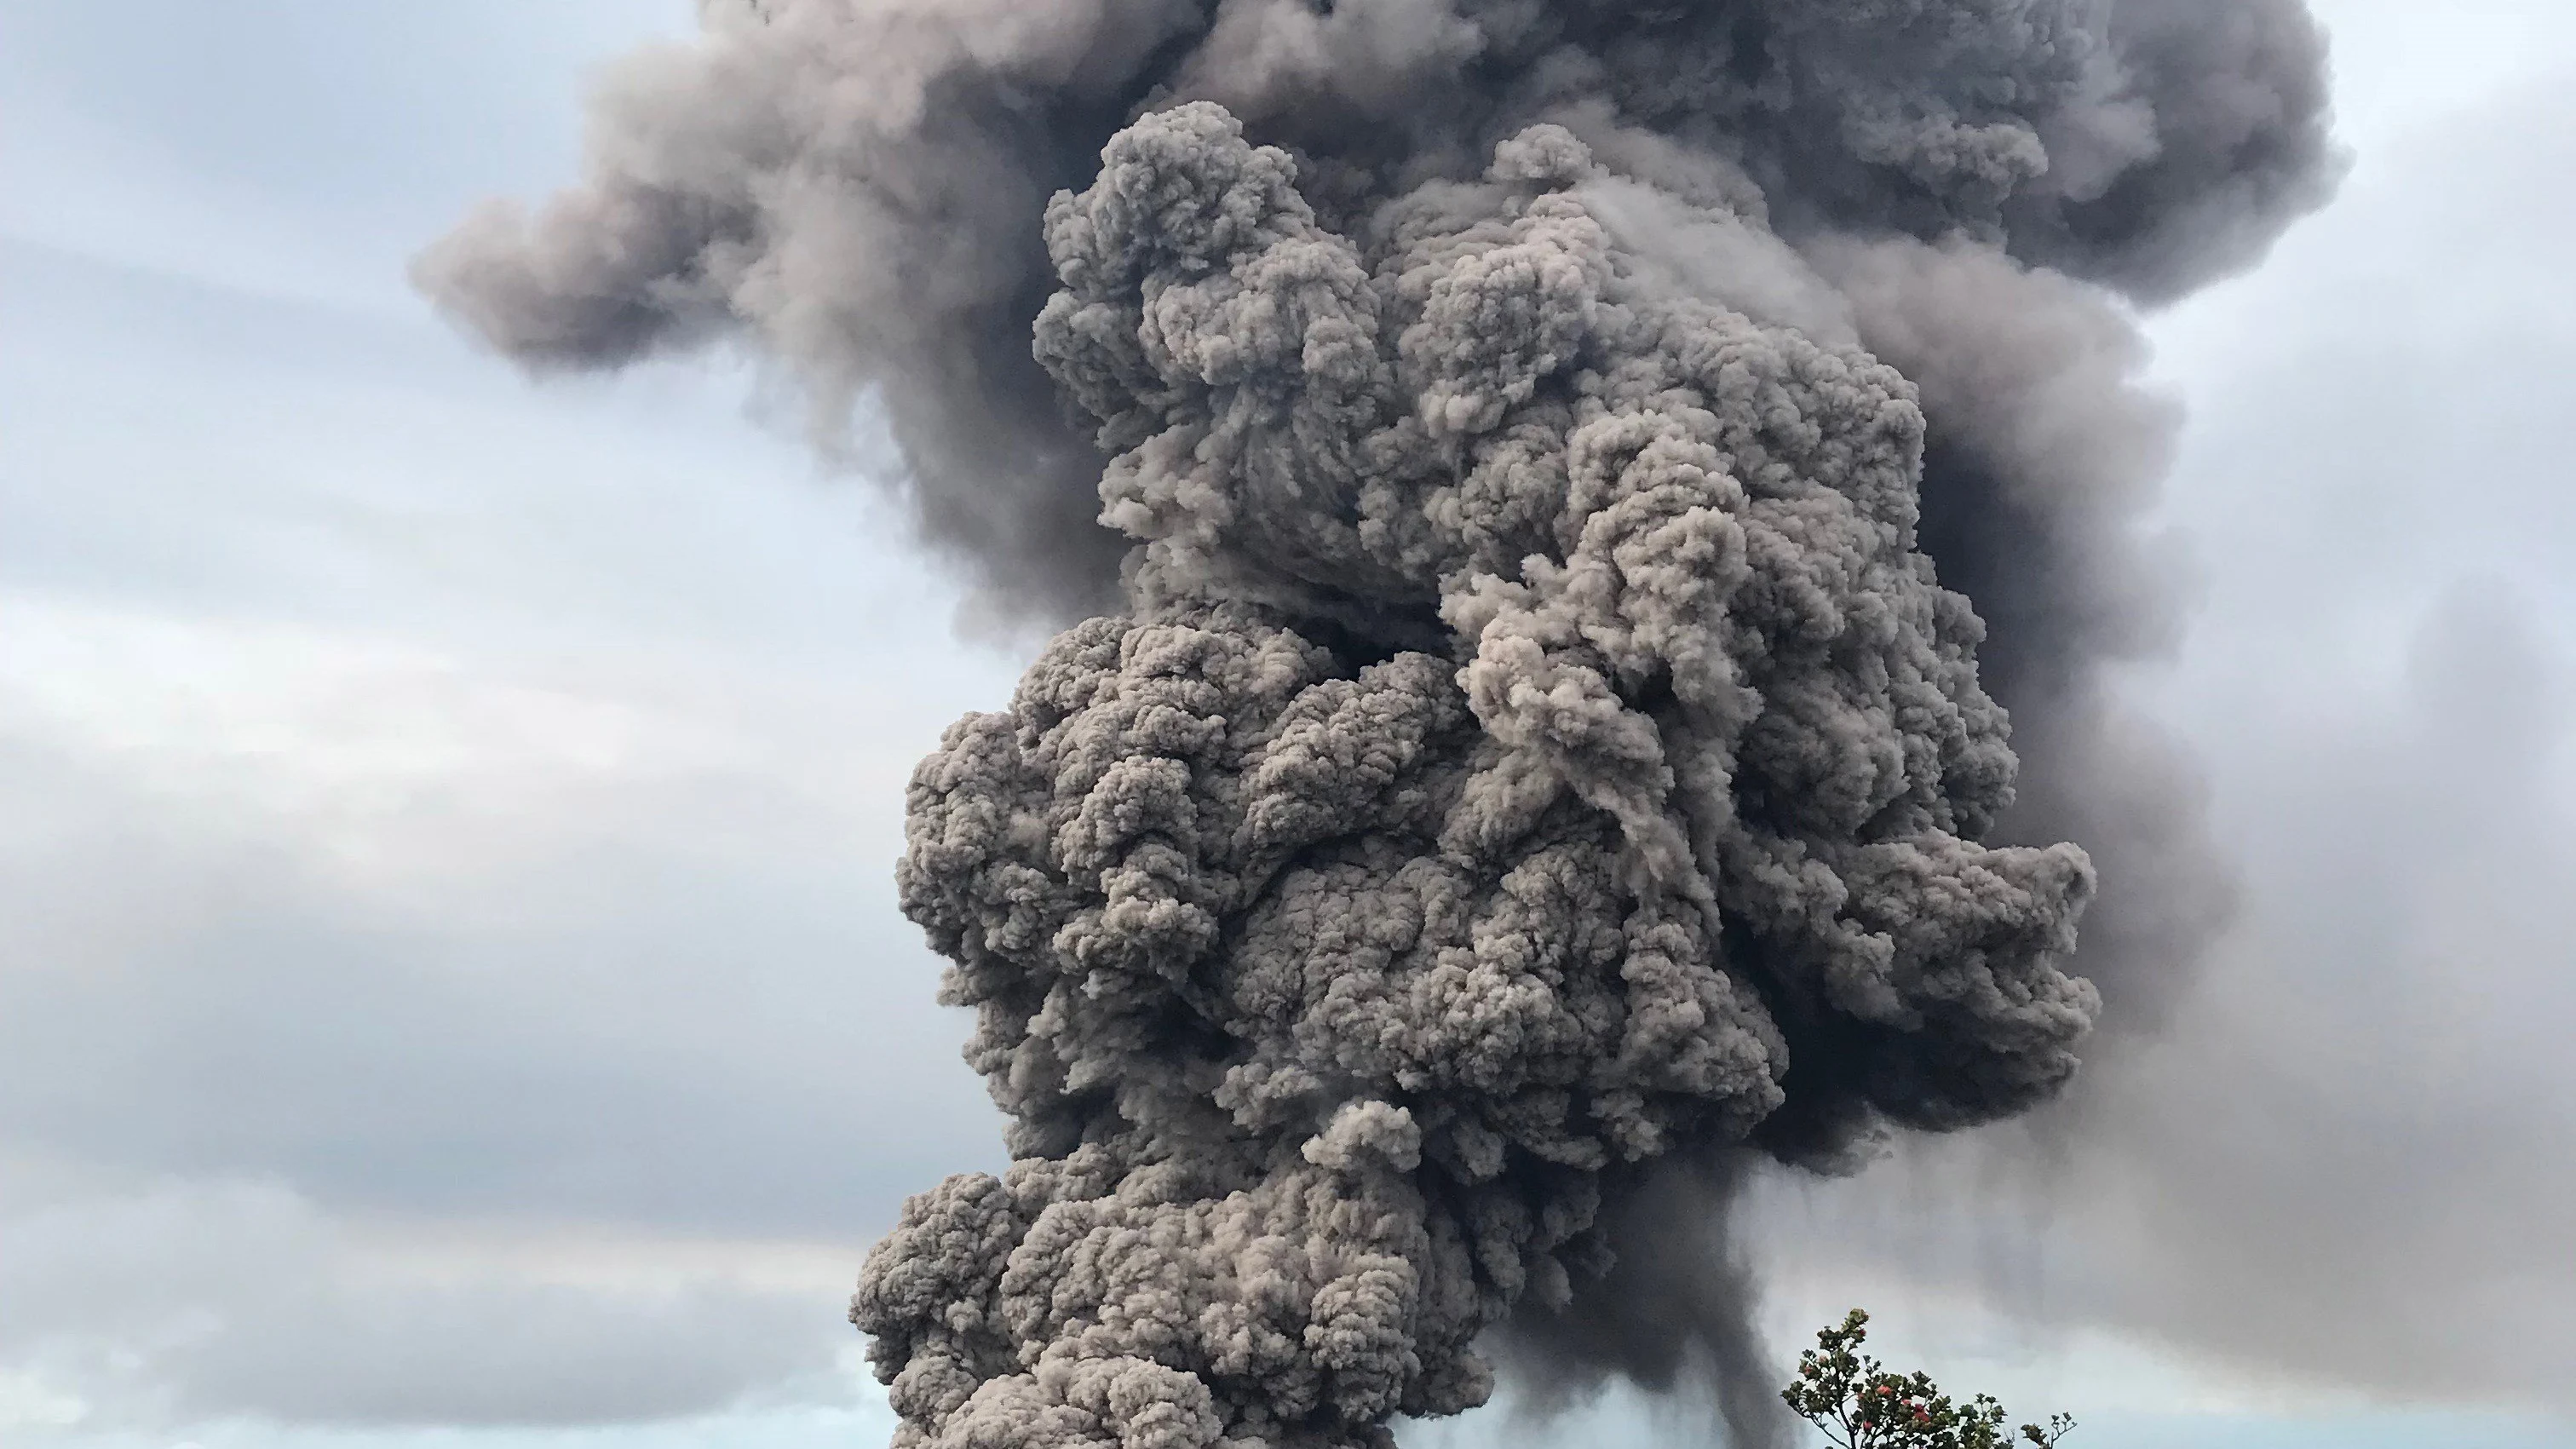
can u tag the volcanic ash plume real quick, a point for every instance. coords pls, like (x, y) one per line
(1536, 743)
(1534, 725)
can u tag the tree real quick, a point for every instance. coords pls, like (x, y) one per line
(1861, 1405)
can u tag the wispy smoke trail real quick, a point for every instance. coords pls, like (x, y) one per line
(1561, 454)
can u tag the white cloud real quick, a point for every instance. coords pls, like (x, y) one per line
(287, 900)
(177, 1304)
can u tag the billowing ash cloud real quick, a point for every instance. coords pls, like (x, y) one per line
(1569, 462)
(1536, 745)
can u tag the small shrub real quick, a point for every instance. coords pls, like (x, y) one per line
(1861, 1405)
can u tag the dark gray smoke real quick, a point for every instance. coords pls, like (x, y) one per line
(1561, 454)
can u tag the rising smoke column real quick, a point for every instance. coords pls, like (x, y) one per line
(1324, 977)
(1538, 732)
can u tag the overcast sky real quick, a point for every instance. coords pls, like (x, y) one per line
(450, 986)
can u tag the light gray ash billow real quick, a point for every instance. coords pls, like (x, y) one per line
(1532, 740)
